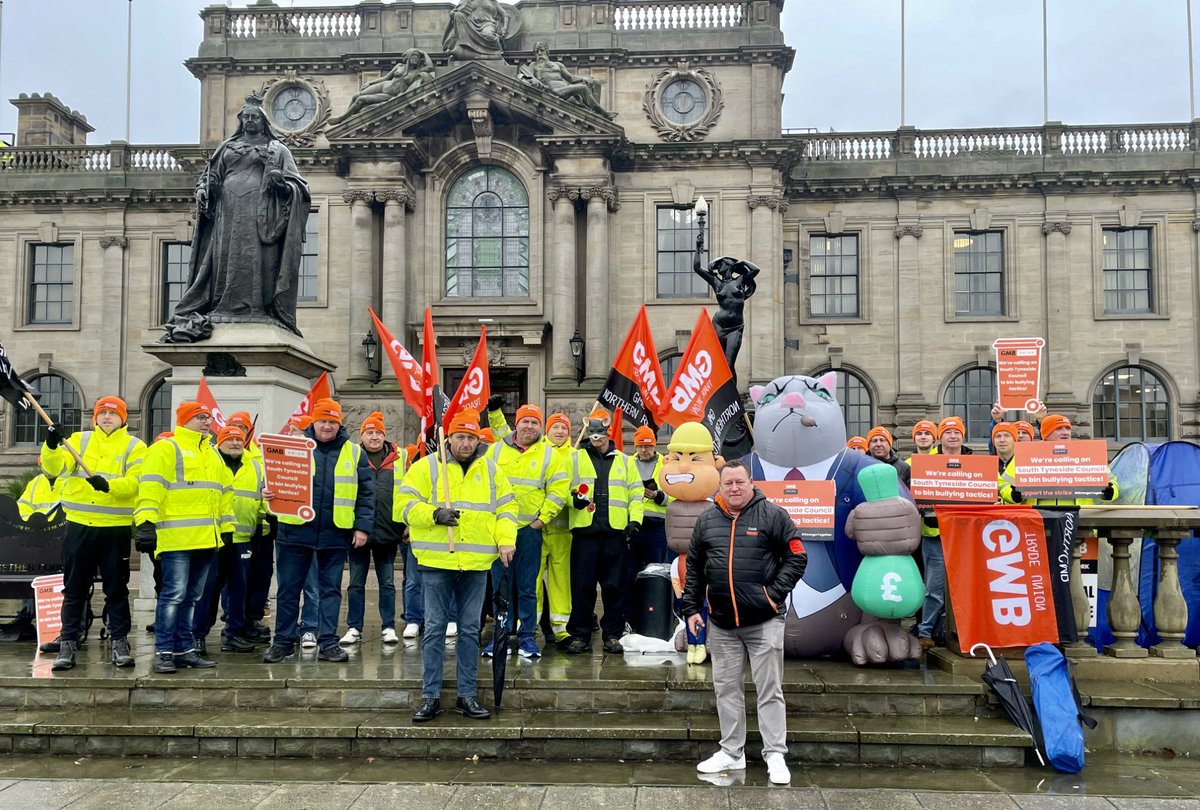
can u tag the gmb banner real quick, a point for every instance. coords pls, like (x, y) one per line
(1008, 574)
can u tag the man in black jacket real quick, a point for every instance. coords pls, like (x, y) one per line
(746, 555)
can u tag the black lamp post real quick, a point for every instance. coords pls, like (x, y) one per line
(700, 209)
(578, 355)
(371, 355)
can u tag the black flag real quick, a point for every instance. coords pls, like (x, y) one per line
(12, 387)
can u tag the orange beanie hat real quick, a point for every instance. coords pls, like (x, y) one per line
(189, 410)
(465, 421)
(926, 425)
(951, 422)
(644, 437)
(374, 421)
(529, 412)
(1027, 428)
(879, 430)
(1005, 427)
(115, 404)
(857, 443)
(230, 432)
(601, 414)
(1053, 422)
(486, 435)
(327, 409)
(558, 418)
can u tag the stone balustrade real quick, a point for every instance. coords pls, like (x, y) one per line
(652, 15)
(252, 23)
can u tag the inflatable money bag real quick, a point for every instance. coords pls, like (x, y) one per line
(887, 586)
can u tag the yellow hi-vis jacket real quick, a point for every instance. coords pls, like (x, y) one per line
(1007, 480)
(487, 516)
(624, 490)
(498, 424)
(117, 457)
(187, 492)
(249, 511)
(537, 477)
(565, 455)
(39, 496)
(649, 507)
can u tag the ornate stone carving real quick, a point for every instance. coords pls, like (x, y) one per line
(414, 69)
(480, 116)
(774, 203)
(358, 195)
(114, 241)
(573, 193)
(477, 29)
(404, 196)
(553, 77)
(298, 107)
(1196, 225)
(915, 231)
(1050, 227)
(683, 103)
(495, 355)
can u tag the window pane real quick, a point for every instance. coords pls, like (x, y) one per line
(487, 235)
(51, 283)
(970, 397)
(160, 418)
(833, 276)
(59, 398)
(676, 245)
(307, 288)
(979, 268)
(175, 270)
(1129, 404)
(1126, 262)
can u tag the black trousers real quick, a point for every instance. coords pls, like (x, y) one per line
(86, 549)
(597, 558)
(258, 581)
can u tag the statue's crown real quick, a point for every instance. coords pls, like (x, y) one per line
(254, 100)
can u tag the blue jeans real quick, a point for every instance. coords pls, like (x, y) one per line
(292, 564)
(226, 577)
(522, 580)
(356, 592)
(309, 616)
(441, 588)
(184, 576)
(935, 587)
(414, 605)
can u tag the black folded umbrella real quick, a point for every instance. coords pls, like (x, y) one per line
(999, 677)
(501, 633)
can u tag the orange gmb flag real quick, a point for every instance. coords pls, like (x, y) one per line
(476, 387)
(204, 396)
(635, 383)
(408, 373)
(703, 389)
(321, 389)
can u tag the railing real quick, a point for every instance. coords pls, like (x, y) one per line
(152, 159)
(90, 159)
(1126, 140)
(658, 16)
(853, 146)
(314, 23)
(949, 143)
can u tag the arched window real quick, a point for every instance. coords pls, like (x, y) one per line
(855, 399)
(970, 397)
(60, 399)
(487, 235)
(159, 414)
(1131, 403)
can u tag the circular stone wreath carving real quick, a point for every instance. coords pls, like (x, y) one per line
(298, 108)
(683, 104)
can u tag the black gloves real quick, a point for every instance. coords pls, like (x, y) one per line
(580, 502)
(272, 528)
(1016, 495)
(495, 402)
(632, 532)
(1108, 493)
(226, 538)
(930, 519)
(98, 482)
(145, 538)
(445, 517)
(56, 435)
(660, 497)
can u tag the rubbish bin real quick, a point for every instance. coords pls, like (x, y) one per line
(654, 599)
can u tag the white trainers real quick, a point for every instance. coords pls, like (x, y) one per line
(721, 761)
(451, 629)
(389, 636)
(411, 630)
(777, 769)
(352, 636)
(309, 640)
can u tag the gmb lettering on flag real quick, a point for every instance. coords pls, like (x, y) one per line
(703, 389)
(635, 383)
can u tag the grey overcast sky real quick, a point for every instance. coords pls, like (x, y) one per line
(971, 63)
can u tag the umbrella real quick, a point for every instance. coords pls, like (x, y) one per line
(501, 632)
(999, 677)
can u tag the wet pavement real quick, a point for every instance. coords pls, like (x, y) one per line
(1108, 782)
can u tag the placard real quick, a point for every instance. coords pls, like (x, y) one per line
(954, 479)
(810, 504)
(48, 599)
(1089, 573)
(1019, 373)
(288, 467)
(1077, 468)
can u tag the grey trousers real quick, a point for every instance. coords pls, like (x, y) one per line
(763, 645)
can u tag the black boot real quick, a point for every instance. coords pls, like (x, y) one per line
(236, 644)
(578, 646)
(201, 646)
(121, 655)
(429, 709)
(66, 656)
(333, 653)
(469, 707)
(51, 646)
(276, 654)
(258, 632)
(164, 663)
(194, 660)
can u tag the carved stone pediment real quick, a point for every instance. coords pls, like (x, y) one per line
(443, 103)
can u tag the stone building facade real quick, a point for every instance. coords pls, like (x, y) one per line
(893, 257)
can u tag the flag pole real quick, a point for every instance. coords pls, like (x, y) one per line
(1046, 66)
(583, 427)
(50, 423)
(444, 468)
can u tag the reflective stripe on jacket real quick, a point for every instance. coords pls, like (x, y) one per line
(624, 490)
(249, 511)
(187, 492)
(487, 509)
(649, 507)
(345, 487)
(116, 457)
(565, 455)
(39, 496)
(536, 475)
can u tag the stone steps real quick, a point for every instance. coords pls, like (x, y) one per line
(514, 734)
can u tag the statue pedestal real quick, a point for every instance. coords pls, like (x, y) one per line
(253, 367)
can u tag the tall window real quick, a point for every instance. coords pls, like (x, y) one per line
(1126, 260)
(970, 397)
(307, 289)
(59, 398)
(176, 256)
(52, 284)
(677, 229)
(1130, 403)
(979, 273)
(855, 399)
(833, 276)
(487, 235)
(160, 416)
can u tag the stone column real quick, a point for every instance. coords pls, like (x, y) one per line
(1170, 609)
(600, 199)
(110, 313)
(396, 204)
(761, 356)
(909, 313)
(1124, 612)
(1058, 296)
(560, 285)
(361, 280)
